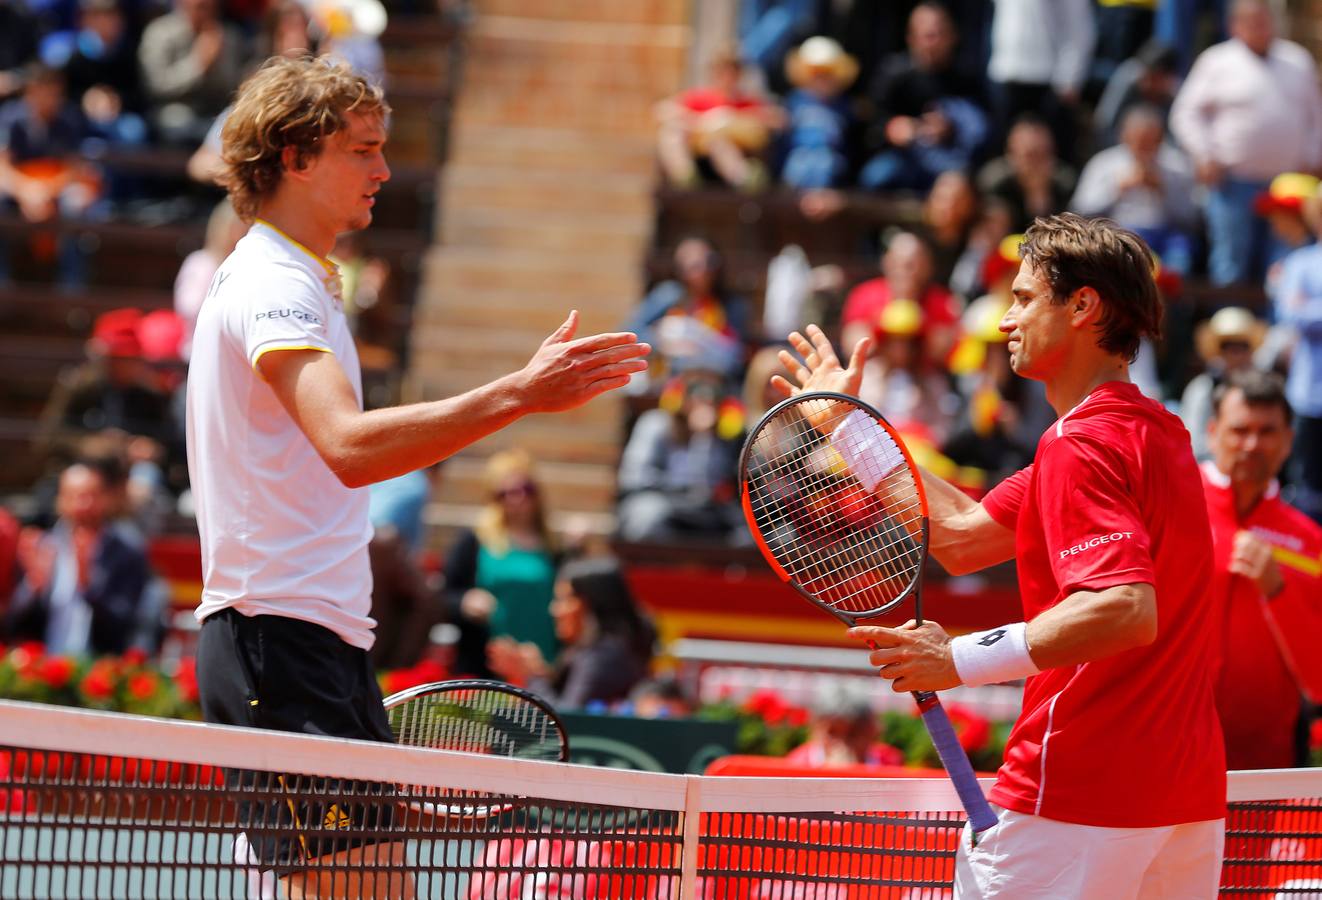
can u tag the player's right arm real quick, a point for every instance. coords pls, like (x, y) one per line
(362, 448)
(963, 537)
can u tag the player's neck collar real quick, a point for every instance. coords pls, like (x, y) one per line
(322, 261)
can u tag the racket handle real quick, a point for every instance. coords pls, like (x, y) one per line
(955, 760)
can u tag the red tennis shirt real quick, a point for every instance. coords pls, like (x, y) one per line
(1130, 741)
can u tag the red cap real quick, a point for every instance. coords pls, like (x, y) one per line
(116, 332)
(160, 333)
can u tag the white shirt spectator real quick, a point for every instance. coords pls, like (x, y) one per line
(1256, 116)
(1140, 206)
(1042, 42)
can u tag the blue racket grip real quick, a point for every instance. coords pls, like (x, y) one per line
(956, 761)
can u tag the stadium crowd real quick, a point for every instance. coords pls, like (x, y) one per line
(988, 115)
(983, 115)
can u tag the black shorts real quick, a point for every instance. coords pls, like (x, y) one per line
(289, 675)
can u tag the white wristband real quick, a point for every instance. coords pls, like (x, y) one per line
(991, 657)
(855, 439)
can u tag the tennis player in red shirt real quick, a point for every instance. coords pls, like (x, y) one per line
(1114, 780)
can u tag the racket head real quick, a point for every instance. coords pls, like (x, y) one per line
(853, 542)
(476, 716)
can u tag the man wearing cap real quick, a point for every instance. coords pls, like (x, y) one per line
(1226, 343)
(1297, 303)
(1266, 578)
(1249, 110)
(1145, 185)
(906, 271)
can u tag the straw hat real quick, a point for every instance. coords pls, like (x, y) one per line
(1234, 323)
(819, 55)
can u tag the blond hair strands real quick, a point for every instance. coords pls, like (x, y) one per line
(293, 103)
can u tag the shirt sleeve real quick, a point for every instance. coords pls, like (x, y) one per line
(288, 313)
(1002, 502)
(1094, 533)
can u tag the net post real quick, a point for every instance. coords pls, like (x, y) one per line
(688, 876)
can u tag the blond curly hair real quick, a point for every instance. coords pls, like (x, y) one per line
(293, 102)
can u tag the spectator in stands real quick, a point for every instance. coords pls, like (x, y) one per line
(1145, 185)
(718, 125)
(500, 574)
(400, 504)
(1226, 342)
(1265, 582)
(1030, 177)
(9, 536)
(693, 319)
(949, 215)
(287, 28)
(662, 697)
(86, 585)
(677, 471)
(350, 30)
(114, 388)
(1282, 205)
(41, 171)
(1001, 416)
(1123, 27)
(608, 641)
(224, 229)
(191, 62)
(995, 222)
(1040, 53)
(767, 30)
(99, 57)
(900, 379)
(1249, 110)
(1298, 305)
(288, 31)
(906, 273)
(844, 731)
(404, 605)
(929, 117)
(818, 117)
(1151, 77)
(19, 35)
(1182, 24)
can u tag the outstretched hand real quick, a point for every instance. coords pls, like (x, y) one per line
(819, 368)
(567, 372)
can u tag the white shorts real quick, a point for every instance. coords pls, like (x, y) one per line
(1025, 857)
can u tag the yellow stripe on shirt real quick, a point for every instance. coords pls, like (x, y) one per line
(1297, 561)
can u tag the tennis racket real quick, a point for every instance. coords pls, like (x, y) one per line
(474, 716)
(838, 509)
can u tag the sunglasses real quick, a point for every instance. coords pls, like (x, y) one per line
(520, 491)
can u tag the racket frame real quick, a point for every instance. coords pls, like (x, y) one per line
(437, 811)
(934, 716)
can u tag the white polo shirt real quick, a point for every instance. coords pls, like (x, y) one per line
(281, 535)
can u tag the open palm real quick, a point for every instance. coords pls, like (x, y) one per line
(817, 368)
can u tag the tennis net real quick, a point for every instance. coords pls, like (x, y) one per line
(99, 805)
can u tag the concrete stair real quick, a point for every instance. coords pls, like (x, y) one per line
(545, 205)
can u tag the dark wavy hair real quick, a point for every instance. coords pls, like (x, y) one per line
(599, 582)
(1073, 252)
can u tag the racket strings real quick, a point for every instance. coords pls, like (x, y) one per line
(477, 721)
(851, 537)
